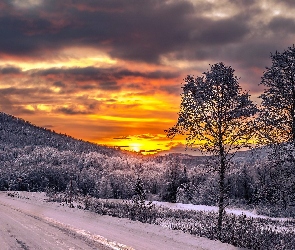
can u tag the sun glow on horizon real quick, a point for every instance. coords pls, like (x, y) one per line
(145, 144)
(135, 147)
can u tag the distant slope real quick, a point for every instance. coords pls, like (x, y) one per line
(241, 157)
(16, 133)
(38, 159)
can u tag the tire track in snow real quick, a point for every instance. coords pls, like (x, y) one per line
(94, 237)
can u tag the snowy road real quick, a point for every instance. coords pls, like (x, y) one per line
(18, 230)
(32, 223)
(22, 231)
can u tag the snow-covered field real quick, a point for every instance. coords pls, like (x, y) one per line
(182, 206)
(29, 222)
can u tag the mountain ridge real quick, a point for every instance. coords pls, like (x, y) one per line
(17, 132)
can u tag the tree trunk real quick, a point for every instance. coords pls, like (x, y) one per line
(293, 111)
(221, 194)
(221, 174)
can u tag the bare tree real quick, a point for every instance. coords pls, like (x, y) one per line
(216, 116)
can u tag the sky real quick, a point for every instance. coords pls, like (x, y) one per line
(110, 71)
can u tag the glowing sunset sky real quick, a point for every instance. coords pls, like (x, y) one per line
(109, 71)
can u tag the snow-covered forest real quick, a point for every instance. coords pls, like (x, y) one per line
(36, 159)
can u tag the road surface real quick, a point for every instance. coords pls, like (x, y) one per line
(20, 230)
(30, 222)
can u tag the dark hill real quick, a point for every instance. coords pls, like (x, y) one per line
(38, 159)
(18, 133)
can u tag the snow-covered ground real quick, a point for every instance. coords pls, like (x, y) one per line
(38, 222)
(182, 206)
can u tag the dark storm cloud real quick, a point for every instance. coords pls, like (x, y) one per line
(71, 111)
(102, 74)
(178, 30)
(221, 32)
(288, 2)
(109, 86)
(71, 80)
(142, 31)
(244, 4)
(10, 70)
(136, 86)
(24, 93)
(252, 54)
(20, 35)
(282, 25)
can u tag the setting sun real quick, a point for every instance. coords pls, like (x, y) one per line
(135, 147)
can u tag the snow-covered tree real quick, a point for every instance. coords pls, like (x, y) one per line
(139, 191)
(277, 181)
(216, 116)
(277, 125)
(277, 115)
(175, 177)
